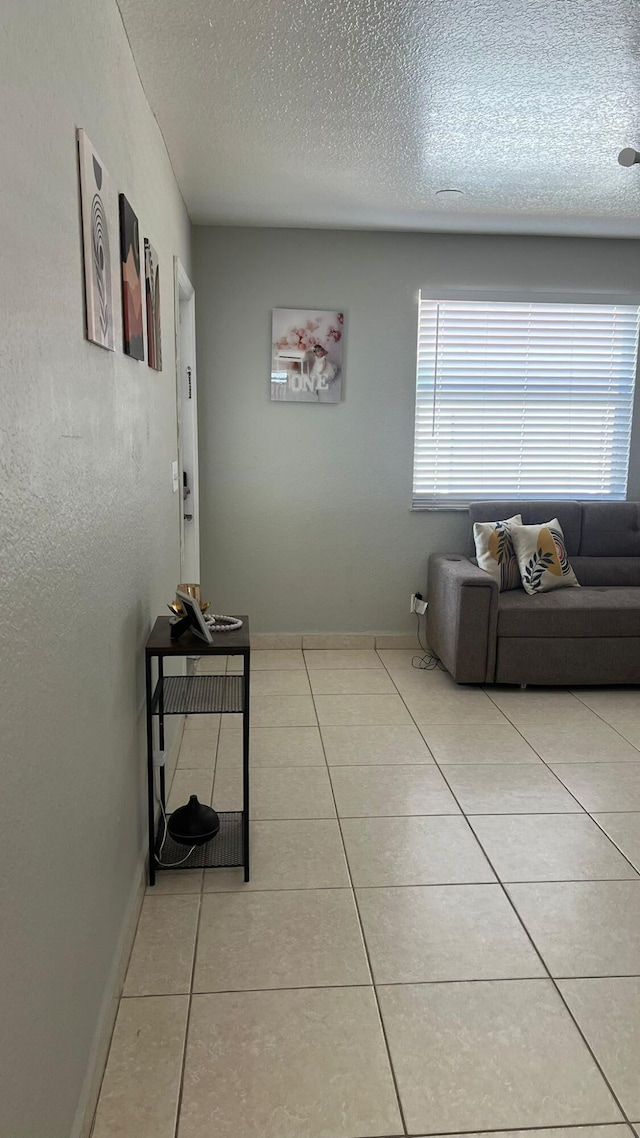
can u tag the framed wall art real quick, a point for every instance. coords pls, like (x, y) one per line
(152, 293)
(306, 355)
(97, 245)
(133, 335)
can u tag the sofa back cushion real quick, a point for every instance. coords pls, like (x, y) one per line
(535, 512)
(610, 529)
(621, 571)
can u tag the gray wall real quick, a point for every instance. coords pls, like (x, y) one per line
(89, 540)
(305, 509)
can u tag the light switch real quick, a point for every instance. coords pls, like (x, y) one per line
(175, 477)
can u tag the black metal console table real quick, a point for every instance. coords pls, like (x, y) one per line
(197, 695)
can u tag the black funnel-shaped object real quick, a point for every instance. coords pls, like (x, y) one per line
(193, 824)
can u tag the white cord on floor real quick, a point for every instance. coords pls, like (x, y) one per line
(169, 864)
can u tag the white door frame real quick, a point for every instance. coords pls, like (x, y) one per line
(187, 422)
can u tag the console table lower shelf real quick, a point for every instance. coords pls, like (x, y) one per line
(225, 851)
(210, 692)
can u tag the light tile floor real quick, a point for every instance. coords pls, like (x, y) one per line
(442, 930)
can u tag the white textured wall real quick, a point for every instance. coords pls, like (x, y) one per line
(89, 541)
(305, 509)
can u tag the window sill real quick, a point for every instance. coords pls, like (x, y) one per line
(440, 509)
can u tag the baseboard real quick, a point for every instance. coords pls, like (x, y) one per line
(333, 641)
(99, 1051)
(268, 641)
(403, 641)
(336, 641)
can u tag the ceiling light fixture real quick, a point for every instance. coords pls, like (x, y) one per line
(628, 156)
(440, 193)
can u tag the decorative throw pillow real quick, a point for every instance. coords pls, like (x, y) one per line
(542, 557)
(495, 553)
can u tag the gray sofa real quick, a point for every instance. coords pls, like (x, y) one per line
(571, 636)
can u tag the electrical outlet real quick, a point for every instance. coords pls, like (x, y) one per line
(159, 758)
(412, 603)
(416, 604)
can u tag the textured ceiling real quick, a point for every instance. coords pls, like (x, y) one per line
(354, 112)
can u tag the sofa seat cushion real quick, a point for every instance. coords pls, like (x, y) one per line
(589, 611)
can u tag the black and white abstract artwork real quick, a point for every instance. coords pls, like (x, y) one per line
(96, 238)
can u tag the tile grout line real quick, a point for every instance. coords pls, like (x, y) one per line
(147, 896)
(150, 896)
(604, 722)
(539, 759)
(200, 896)
(362, 933)
(608, 836)
(588, 813)
(539, 954)
(200, 892)
(602, 719)
(188, 1019)
(121, 997)
(581, 811)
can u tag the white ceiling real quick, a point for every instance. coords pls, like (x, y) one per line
(352, 113)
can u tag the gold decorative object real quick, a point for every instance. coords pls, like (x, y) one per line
(194, 591)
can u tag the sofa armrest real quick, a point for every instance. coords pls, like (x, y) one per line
(462, 617)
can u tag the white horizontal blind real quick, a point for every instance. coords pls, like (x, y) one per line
(523, 400)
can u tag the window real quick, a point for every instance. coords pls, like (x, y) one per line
(530, 400)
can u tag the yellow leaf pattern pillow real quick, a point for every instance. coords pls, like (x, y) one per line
(495, 553)
(542, 557)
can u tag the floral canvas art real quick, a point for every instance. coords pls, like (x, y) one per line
(306, 355)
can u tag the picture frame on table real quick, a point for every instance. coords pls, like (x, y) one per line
(198, 623)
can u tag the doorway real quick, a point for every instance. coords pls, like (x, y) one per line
(187, 417)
